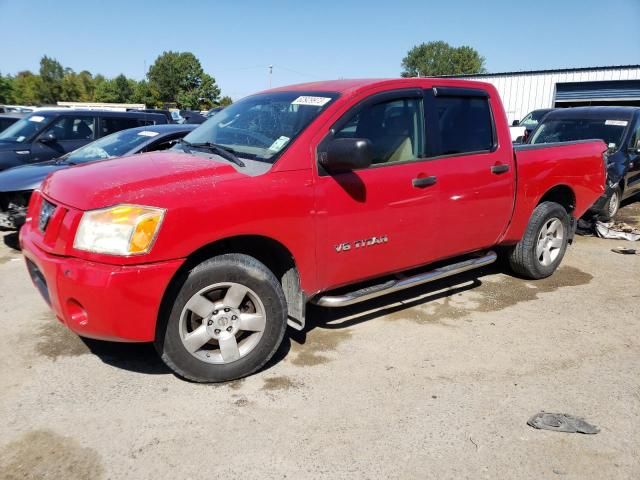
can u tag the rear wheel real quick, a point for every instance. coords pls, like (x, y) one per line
(544, 243)
(226, 322)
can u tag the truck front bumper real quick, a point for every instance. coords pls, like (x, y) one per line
(106, 302)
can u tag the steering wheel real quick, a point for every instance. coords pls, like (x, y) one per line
(263, 139)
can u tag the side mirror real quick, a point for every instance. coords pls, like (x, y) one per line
(346, 154)
(636, 148)
(48, 137)
(515, 123)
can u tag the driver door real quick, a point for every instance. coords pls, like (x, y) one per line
(71, 132)
(376, 220)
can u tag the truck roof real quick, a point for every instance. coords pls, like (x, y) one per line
(611, 113)
(348, 86)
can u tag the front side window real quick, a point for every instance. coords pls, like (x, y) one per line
(261, 126)
(571, 129)
(70, 127)
(463, 125)
(393, 128)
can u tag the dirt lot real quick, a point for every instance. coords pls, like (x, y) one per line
(435, 383)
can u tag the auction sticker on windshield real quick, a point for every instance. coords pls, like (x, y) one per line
(617, 123)
(147, 133)
(313, 101)
(36, 118)
(279, 143)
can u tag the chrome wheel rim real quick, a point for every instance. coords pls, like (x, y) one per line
(222, 323)
(550, 241)
(613, 204)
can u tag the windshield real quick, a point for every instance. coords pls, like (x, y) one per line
(568, 129)
(114, 145)
(261, 126)
(24, 129)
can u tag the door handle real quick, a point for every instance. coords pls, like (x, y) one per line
(422, 182)
(498, 169)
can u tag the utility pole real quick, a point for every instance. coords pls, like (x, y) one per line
(270, 74)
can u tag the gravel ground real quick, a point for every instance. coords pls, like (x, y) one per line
(435, 383)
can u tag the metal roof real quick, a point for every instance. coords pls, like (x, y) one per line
(558, 70)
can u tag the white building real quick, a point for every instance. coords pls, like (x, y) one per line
(522, 92)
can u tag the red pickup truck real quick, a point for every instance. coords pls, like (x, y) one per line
(331, 192)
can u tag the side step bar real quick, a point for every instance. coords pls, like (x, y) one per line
(391, 286)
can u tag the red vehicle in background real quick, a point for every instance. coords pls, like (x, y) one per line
(324, 192)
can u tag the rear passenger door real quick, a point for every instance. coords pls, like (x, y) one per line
(475, 175)
(112, 124)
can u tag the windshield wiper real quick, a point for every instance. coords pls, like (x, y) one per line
(224, 152)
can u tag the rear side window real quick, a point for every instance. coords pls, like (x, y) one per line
(115, 124)
(462, 124)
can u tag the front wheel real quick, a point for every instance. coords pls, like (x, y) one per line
(613, 204)
(226, 322)
(544, 243)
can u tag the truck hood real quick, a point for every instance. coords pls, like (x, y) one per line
(27, 177)
(161, 179)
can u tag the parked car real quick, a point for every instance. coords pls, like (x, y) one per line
(190, 116)
(619, 128)
(50, 134)
(16, 109)
(18, 183)
(331, 192)
(166, 113)
(211, 112)
(521, 129)
(8, 119)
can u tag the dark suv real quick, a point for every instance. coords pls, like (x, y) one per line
(48, 134)
(619, 128)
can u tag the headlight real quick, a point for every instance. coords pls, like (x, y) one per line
(119, 230)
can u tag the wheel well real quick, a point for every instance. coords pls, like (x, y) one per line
(275, 256)
(272, 253)
(562, 195)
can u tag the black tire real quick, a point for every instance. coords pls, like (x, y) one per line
(612, 206)
(523, 259)
(236, 268)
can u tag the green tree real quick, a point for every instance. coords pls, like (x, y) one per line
(225, 101)
(144, 93)
(6, 89)
(178, 77)
(51, 76)
(440, 58)
(107, 91)
(70, 87)
(26, 88)
(124, 87)
(88, 86)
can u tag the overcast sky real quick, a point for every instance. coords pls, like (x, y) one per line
(304, 41)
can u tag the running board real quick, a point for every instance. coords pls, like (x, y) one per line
(391, 286)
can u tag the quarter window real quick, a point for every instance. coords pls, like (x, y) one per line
(463, 124)
(393, 128)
